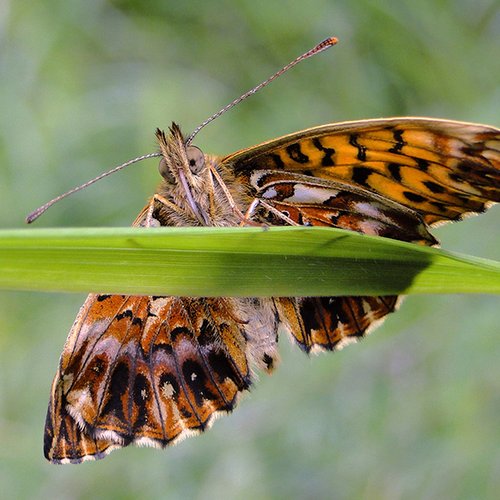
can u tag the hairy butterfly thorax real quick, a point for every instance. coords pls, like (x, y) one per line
(197, 190)
(152, 370)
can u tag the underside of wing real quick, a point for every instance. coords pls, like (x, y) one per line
(309, 201)
(144, 370)
(330, 323)
(441, 169)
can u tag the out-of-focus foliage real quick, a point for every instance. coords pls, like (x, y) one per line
(413, 410)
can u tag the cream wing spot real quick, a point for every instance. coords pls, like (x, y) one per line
(168, 391)
(310, 194)
(270, 193)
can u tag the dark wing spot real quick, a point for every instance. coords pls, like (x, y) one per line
(180, 330)
(422, 164)
(137, 321)
(197, 380)
(307, 311)
(185, 413)
(98, 365)
(413, 197)
(118, 385)
(222, 369)
(327, 160)
(334, 217)
(294, 152)
(473, 149)
(141, 395)
(360, 175)
(323, 315)
(435, 188)
(161, 345)
(353, 141)
(400, 143)
(395, 171)
(268, 361)
(262, 180)
(466, 166)
(456, 178)
(278, 162)
(125, 314)
(440, 206)
(207, 333)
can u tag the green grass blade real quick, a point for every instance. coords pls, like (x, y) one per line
(234, 262)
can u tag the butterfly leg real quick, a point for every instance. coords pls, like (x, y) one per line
(245, 221)
(222, 184)
(256, 202)
(146, 217)
(150, 221)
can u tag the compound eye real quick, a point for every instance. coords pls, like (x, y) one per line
(165, 171)
(196, 159)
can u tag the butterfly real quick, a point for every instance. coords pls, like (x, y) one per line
(152, 370)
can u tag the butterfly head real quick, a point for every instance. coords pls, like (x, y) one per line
(184, 172)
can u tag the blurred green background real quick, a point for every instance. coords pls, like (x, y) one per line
(411, 412)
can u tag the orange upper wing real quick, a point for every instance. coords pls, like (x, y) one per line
(441, 169)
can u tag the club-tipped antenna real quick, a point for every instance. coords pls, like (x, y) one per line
(325, 44)
(40, 210)
(320, 47)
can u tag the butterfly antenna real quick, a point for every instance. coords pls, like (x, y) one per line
(40, 210)
(325, 44)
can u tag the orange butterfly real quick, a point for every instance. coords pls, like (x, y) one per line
(152, 370)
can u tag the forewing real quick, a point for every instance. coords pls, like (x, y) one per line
(441, 169)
